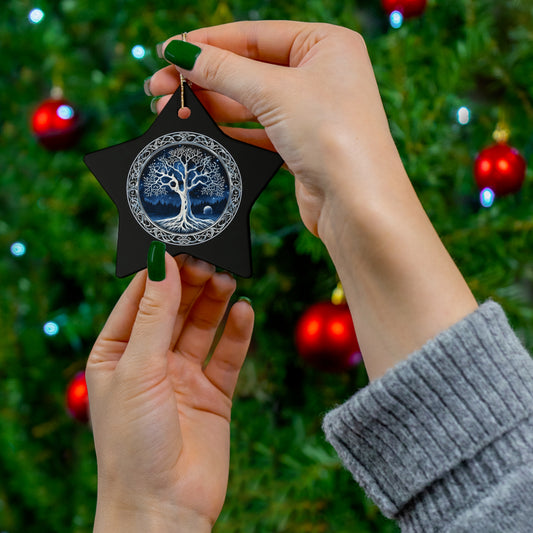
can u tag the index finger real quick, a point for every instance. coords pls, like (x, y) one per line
(271, 41)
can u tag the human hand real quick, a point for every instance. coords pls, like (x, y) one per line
(161, 417)
(313, 89)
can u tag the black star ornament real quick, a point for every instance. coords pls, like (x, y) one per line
(185, 183)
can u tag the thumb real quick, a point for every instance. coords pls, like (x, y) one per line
(242, 79)
(152, 330)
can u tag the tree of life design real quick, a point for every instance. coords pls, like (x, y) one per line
(184, 188)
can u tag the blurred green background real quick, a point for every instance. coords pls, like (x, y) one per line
(284, 476)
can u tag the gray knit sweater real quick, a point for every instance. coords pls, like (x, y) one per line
(444, 441)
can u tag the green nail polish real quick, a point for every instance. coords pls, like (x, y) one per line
(146, 86)
(156, 261)
(182, 53)
(153, 104)
(244, 299)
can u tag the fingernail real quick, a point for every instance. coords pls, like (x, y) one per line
(244, 299)
(146, 86)
(159, 49)
(153, 104)
(182, 53)
(156, 261)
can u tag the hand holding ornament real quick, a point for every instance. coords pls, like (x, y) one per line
(312, 88)
(161, 417)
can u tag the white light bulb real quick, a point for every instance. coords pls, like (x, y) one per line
(51, 328)
(396, 19)
(463, 115)
(486, 197)
(138, 51)
(18, 249)
(65, 112)
(36, 15)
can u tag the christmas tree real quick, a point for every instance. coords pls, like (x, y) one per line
(447, 78)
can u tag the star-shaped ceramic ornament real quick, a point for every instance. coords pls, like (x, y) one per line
(187, 184)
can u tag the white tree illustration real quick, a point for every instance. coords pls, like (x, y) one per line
(180, 171)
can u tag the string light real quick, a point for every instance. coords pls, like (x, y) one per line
(36, 15)
(18, 249)
(463, 115)
(65, 112)
(486, 197)
(51, 328)
(138, 51)
(396, 19)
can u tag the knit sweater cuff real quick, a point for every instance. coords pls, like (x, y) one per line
(450, 407)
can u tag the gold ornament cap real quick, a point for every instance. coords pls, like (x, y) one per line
(337, 296)
(501, 133)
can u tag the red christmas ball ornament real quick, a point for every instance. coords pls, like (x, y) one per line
(77, 398)
(408, 8)
(56, 124)
(501, 168)
(325, 337)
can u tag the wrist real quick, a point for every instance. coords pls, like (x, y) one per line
(119, 515)
(365, 185)
(401, 284)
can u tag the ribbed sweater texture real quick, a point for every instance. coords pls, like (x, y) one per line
(443, 442)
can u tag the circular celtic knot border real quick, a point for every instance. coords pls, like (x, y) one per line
(201, 141)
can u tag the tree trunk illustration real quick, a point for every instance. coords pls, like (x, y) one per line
(185, 221)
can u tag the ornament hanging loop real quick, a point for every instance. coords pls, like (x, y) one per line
(183, 112)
